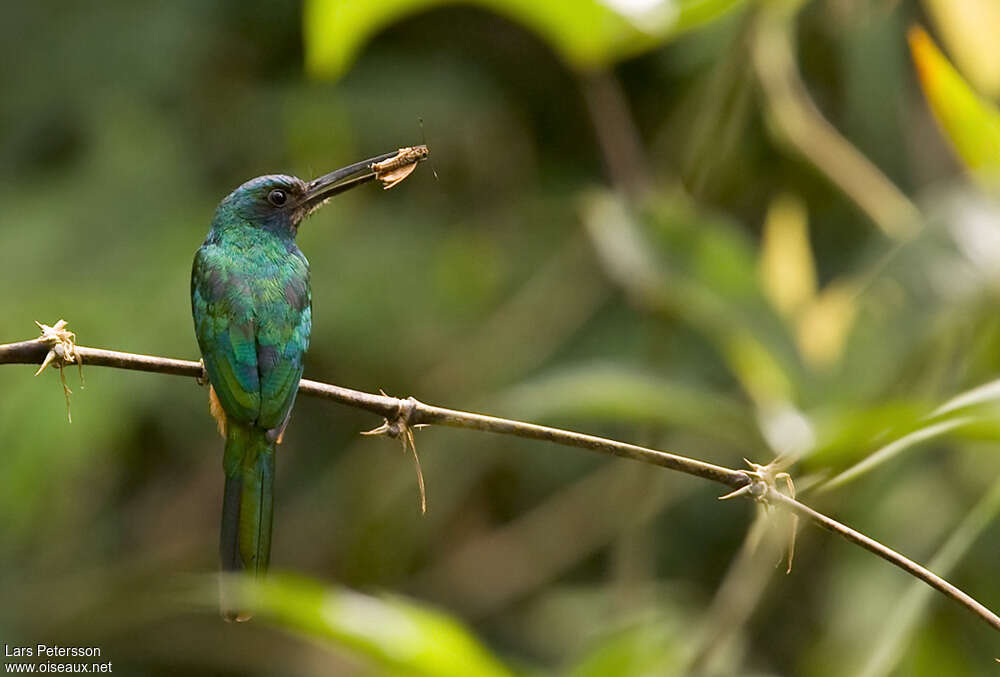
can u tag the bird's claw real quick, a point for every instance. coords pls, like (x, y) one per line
(62, 352)
(202, 378)
(762, 480)
(402, 427)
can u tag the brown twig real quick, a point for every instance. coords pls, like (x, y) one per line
(888, 554)
(413, 412)
(410, 410)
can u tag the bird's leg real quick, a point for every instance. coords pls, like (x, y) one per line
(763, 479)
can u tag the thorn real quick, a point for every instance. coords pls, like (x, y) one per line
(62, 352)
(401, 427)
(67, 392)
(791, 543)
(790, 486)
(381, 430)
(763, 479)
(416, 463)
(46, 362)
(745, 489)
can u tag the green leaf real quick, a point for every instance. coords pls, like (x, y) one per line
(679, 260)
(970, 122)
(393, 633)
(620, 394)
(586, 33)
(972, 413)
(896, 447)
(846, 431)
(651, 648)
(988, 393)
(890, 645)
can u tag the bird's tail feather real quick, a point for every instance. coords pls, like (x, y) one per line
(247, 508)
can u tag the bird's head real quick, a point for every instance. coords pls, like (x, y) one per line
(278, 203)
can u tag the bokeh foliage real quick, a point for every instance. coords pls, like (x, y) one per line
(742, 302)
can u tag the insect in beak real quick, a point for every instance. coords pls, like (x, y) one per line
(393, 170)
(389, 168)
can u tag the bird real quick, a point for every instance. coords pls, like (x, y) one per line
(252, 307)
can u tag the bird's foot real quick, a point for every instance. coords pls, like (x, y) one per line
(62, 352)
(202, 379)
(401, 427)
(762, 481)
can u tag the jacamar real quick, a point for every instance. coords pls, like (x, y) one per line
(252, 309)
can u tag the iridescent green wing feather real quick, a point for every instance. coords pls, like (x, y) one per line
(284, 322)
(224, 324)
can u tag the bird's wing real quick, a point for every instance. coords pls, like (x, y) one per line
(222, 305)
(284, 321)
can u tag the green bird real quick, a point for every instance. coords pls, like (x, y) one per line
(252, 308)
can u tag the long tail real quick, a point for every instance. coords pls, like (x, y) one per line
(247, 507)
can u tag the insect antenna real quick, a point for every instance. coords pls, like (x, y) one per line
(423, 140)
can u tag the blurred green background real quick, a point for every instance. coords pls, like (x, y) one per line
(714, 227)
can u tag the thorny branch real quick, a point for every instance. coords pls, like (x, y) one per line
(402, 415)
(61, 353)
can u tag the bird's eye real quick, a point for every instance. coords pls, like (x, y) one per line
(277, 197)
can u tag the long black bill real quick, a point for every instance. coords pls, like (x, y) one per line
(336, 182)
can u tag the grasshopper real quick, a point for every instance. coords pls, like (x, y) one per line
(395, 169)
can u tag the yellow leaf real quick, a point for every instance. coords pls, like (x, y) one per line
(825, 324)
(971, 123)
(969, 29)
(758, 372)
(787, 272)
